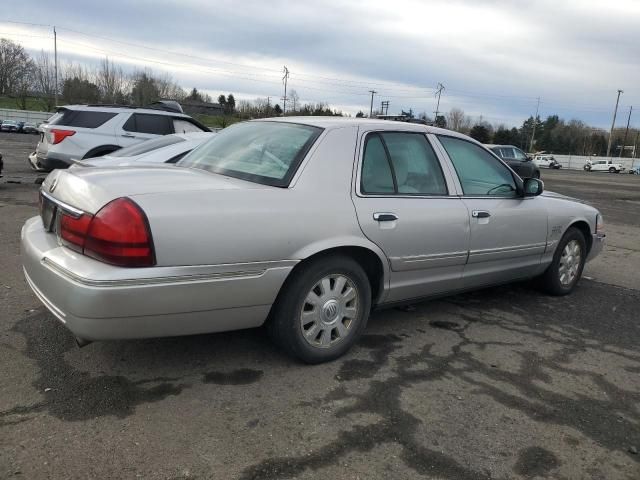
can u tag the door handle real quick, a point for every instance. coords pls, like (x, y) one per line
(384, 217)
(128, 135)
(480, 214)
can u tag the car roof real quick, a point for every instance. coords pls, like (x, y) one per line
(491, 145)
(340, 122)
(193, 135)
(121, 109)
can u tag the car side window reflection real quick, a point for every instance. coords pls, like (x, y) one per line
(479, 172)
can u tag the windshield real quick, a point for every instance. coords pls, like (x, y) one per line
(261, 152)
(147, 146)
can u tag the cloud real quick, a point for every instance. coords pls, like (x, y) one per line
(494, 57)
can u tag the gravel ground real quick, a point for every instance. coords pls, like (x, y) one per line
(503, 383)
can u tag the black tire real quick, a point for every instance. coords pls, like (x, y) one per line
(285, 324)
(549, 281)
(587, 168)
(612, 170)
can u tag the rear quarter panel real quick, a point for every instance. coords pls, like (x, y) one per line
(265, 224)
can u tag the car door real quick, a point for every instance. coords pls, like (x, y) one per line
(406, 204)
(143, 126)
(508, 231)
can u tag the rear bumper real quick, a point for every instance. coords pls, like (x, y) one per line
(101, 302)
(597, 244)
(47, 163)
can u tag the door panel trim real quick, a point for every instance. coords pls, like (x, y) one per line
(492, 254)
(420, 262)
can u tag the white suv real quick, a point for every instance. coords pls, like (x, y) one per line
(78, 132)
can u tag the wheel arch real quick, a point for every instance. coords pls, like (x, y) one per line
(585, 229)
(369, 256)
(102, 150)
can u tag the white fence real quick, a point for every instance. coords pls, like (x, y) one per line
(24, 115)
(577, 162)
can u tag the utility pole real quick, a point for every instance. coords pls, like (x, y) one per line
(284, 99)
(384, 107)
(437, 94)
(615, 112)
(372, 92)
(635, 144)
(624, 142)
(268, 106)
(535, 121)
(55, 66)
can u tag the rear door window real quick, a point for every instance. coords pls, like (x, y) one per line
(81, 118)
(149, 123)
(401, 163)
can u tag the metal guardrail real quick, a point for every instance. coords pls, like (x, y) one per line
(577, 162)
(24, 115)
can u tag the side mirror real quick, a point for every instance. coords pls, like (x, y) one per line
(533, 187)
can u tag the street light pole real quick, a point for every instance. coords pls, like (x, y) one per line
(615, 112)
(624, 142)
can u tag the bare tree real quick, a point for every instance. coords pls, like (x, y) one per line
(113, 84)
(44, 76)
(458, 121)
(14, 62)
(294, 98)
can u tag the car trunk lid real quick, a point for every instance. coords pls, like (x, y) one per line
(89, 189)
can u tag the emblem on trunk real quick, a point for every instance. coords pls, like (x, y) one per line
(53, 185)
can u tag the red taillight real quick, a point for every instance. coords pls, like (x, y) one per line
(73, 230)
(119, 234)
(60, 135)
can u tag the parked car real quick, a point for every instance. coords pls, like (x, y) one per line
(519, 161)
(635, 170)
(603, 166)
(9, 126)
(308, 222)
(28, 127)
(78, 132)
(546, 161)
(166, 149)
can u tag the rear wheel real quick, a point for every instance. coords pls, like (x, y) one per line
(322, 309)
(612, 170)
(568, 262)
(587, 168)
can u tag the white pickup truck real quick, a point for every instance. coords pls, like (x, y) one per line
(603, 166)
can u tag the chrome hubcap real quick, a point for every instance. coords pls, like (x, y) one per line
(570, 263)
(329, 311)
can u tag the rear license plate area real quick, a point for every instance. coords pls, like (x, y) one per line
(47, 213)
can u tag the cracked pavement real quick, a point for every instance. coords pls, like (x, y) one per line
(503, 383)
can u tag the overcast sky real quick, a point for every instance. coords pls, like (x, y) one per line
(494, 57)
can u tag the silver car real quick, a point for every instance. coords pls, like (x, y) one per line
(304, 224)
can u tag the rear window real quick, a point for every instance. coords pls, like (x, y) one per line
(147, 146)
(81, 118)
(149, 123)
(263, 152)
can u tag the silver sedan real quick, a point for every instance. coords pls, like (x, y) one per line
(304, 224)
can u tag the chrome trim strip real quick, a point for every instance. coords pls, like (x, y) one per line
(65, 206)
(508, 249)
(434, 256)
(198, 277)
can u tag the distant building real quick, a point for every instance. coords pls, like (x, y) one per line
(191, 107)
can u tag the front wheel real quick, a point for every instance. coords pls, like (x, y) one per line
(322, 309)
(565, 270)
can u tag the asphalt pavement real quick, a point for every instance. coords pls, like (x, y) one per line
(503, 383)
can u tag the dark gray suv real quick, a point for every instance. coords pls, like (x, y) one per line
(519, 161)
